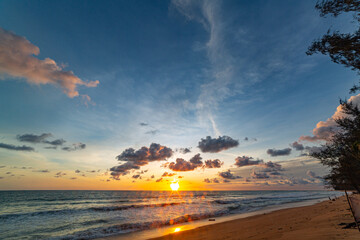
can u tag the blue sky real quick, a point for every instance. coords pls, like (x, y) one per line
(186, 69)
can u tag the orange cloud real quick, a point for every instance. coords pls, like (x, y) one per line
(17, 60)
(324, 130)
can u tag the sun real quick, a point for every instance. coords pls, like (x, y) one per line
(174, 185)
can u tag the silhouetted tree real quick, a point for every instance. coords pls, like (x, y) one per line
(342, 151)
(342, 48)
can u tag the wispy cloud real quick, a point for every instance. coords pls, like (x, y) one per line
(221, 73)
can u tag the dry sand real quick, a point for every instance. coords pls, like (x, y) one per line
(319, 222)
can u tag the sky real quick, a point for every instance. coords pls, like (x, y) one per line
(133, 95)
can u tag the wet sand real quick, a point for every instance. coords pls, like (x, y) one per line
(318, 222)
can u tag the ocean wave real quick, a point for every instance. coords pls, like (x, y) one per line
(119, 208)
(78, 210)
(132, 227)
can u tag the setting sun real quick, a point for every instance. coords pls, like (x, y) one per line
(174, 186)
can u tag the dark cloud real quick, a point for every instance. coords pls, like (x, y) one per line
(246, 139)
(73, 178)
(215, 145)
(184, 150)
(214, 180)
(246, 161)
(159, 180)
(77, 171)
(42, 171)
(136, 176)
(166, 174)
(275, 173)
(196, 160)
(182, 165)
(152, 132)
(59, 174)
(16, 148)
(122, 169)
(272, 166)
(228, 175)
(312, 174)
(279, 152)
(32, 138)
(143, 124)
(314, 149)
(216, 163)
(57, 142)
(152, 176)
(53, 147)
(259, 175)
(134, 159)
(75, 147)
(297, 146)
(141, 157)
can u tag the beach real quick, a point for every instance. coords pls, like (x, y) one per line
(319, 221)
(124, 215)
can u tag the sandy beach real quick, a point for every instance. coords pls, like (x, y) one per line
(319, 221)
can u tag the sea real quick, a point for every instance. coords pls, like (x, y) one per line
(98, 214)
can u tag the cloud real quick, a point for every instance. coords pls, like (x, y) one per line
(215, 145)
(214, 180)
(220, 72)
(312, 174)
(57, 142)
(261, 175)
(141, 157)
(246, 161)
(182, 165)
(311, 150)
(77, 171)
(184, 150)
(17, 60)
(136, 176)
(297, 146)
(122, 169)
(166, 174)
(42, 171)
(74, 147)
(152, 132)
(134, 159)
(279, 152)
(32, 138)
(16, 148)
(216, 163)
(272, 166)
(2, 166)
(59, 174)
(159, 180)
(228, 175)
(143, 124)
(324, 130)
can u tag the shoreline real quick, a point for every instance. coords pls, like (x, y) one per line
(315, 222)
(192, 228)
